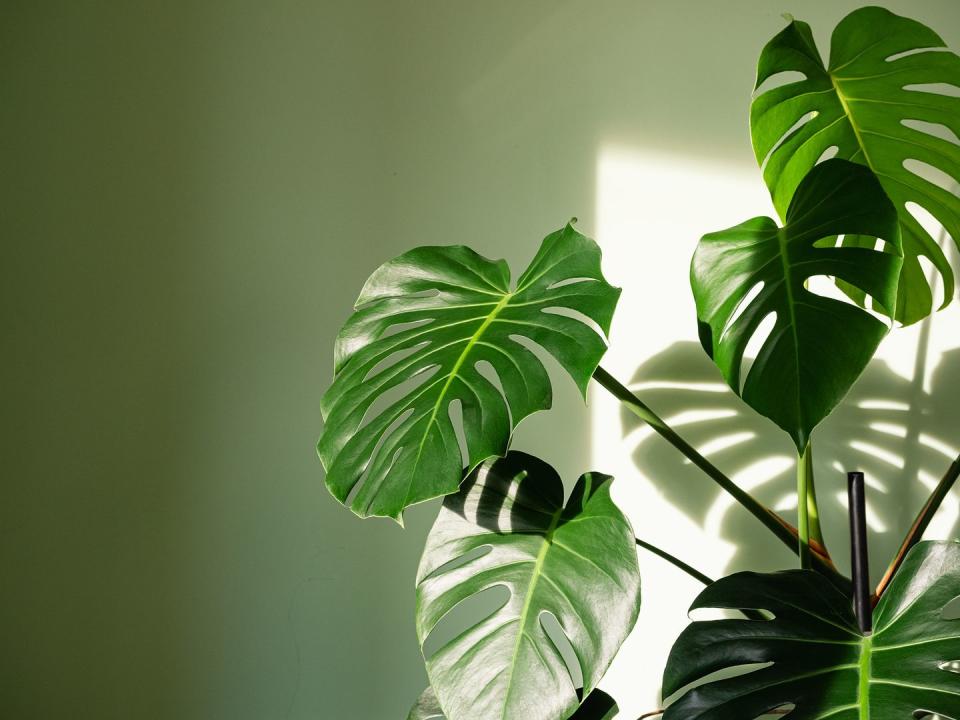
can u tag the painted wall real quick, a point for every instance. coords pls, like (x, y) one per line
(193, 194)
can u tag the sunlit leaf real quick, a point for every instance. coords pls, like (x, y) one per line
(576, 562)
(427, 324)
(886, 98)
(598, 706)
(818, 346)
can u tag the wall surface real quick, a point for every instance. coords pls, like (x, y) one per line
(193, 194)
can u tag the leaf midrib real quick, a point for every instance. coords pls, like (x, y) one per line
(527, 602)
(865, 670)
(788, 286)
(504, 301)
(849, 115)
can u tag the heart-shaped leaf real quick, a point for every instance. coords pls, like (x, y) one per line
(598, 706)
(881, 102)
(508, 527)
(818, 346)
(439, 326)
(813, 657)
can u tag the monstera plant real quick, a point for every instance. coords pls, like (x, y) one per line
(444, 356)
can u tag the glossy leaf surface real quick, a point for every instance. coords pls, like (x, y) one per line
(818, 345)
(812, 656)
(598, 706)
(878, 102)
(432, 328)
(508, 527)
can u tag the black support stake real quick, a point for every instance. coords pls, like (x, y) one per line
(862, 607)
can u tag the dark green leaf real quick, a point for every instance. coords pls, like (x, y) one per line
(577, 563)
(598, 706)
(867, 104)
(812, 654)
(431, 318)
(818, 346)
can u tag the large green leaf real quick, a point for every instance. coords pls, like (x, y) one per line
(867, 103)
(427, 324)
(812, 654)
(598, 706)
(818, 346)
(576, 562)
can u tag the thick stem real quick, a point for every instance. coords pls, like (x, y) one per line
(748, 613)
(920, 524)
(677, 562)
(642, 411)
(777, 525)
(813, 510)
(803, 509)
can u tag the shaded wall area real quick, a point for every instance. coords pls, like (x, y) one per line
(193, 193)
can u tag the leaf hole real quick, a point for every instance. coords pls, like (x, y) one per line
(945, 89)
(828, 154)
(727, 673)
(489, 373)
(755, 345)
(951, 666)
(791, 131)
(391, 395)
(787, 77)
(935, 175)
(575, 315)
(455, 413)
(374, 469)
(708, 614)
(926, 219)
(915, 51)
(744, 303)
(570, 281)
(826, 286)
(398, 328)
(554, 369)
(465, 617)
(459, 562)
(930, 225)
(561, 643)
(393, 359)
(935, 129)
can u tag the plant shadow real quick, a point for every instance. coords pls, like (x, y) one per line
(900, 435)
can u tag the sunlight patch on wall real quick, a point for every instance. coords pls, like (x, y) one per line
(897, 425)
(652, 210)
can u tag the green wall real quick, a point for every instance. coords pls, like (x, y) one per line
(192, 194)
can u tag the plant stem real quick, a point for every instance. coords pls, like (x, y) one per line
(786, 532)
(920, 525)
(813, 511)
(803, 508)
(774, 523)
(691, 571)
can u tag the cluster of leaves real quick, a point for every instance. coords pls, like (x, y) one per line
(443, 357)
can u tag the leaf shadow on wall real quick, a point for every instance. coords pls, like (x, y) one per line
(901, 436)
